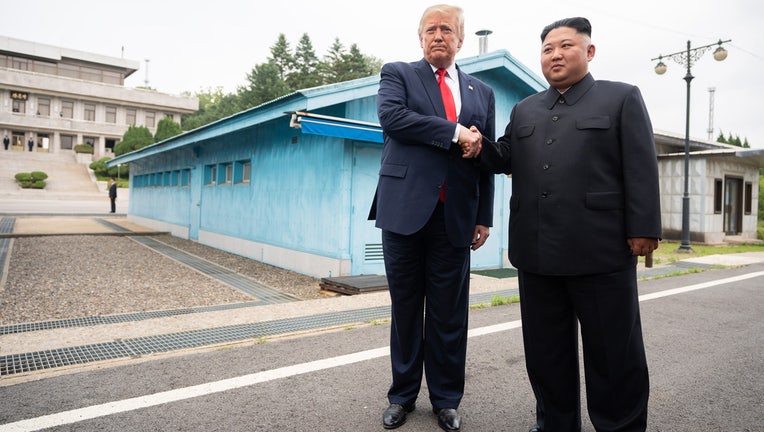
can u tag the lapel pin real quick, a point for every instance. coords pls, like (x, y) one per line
(469, 87)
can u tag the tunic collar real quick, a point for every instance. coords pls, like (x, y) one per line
(571, 95)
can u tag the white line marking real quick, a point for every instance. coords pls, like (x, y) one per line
(681, 290)
(110, 408)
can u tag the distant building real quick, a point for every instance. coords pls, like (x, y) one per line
(723, 187)
(60, 97)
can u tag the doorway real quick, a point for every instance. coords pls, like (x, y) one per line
(733, 205)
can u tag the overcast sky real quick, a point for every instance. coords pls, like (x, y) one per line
(193, 46)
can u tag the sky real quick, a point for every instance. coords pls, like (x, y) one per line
(196, 46)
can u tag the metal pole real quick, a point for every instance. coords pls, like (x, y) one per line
(685, 246)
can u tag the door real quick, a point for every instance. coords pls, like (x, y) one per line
(195, 205)
(366, 239)
(733, 205)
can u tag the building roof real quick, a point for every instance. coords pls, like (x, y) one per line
(56, 54)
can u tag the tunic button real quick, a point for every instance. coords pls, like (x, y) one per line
(555, 118)
(544, 194)
(549, 141)
(546, 166)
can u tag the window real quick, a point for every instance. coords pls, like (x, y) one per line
(68, 70)
(67, 142)
(184, 177)
(210, 175)
(225, 173)
(175, 178)
(67, 109)
(241, 172)
(748, 197)
(718, 196)
(89, 111)
(111, 114)
(130, 116)
(43, 107)
(19, 106)
(19, 63)
(150, 119)
(90, 140)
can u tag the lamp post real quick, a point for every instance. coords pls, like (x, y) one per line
(687, 58)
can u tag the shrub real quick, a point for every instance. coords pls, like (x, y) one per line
(83, 148)
(34, 180)
(23, 177)
(38, 175)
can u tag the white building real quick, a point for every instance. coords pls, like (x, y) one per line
(58, 98)
(723, 189)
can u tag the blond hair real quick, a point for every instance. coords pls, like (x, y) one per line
(448, 10)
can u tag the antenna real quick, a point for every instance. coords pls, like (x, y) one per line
(483, 40)
(146, 80)
(711, 91)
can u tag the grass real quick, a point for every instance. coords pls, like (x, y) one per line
(667, 252)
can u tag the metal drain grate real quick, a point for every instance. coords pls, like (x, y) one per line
(27, 362)
(262, 292)
(117, 318)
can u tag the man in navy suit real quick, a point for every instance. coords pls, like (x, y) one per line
(585, 203)
(433, 205)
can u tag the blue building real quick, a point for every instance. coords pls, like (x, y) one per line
(290, 182)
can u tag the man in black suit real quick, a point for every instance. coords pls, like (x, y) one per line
(113, 194)
(433, 205)
(585, 203)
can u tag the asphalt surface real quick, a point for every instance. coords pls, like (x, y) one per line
(704, 340)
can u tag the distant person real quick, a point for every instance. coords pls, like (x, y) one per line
(30, 144)
(113, 194)
(585, 204)
(6, 142)
(434, 206)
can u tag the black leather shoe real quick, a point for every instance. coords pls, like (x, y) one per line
(395, 415)
(448, 419)
(535, 428)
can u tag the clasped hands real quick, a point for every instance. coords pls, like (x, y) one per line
(471, 141)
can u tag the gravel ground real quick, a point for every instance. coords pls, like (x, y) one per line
(60, 277)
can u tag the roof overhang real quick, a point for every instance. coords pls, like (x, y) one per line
(316, 124)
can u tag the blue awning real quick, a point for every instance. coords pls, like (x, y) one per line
(337, 127)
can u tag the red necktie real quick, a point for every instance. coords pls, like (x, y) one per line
(448, 102)
(445, 93)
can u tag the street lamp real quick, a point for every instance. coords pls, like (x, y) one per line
(687, 58)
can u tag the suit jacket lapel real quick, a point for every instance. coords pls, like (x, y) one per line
(430, 85)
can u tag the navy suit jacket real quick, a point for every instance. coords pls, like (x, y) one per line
(418, 155)
(584, 178)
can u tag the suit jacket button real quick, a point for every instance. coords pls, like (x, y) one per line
(544, 194)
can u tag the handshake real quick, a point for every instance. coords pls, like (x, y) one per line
(470, 140)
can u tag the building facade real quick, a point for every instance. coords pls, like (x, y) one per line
(723, 189)
(53, 98)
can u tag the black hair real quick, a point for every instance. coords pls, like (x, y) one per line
(580, 24)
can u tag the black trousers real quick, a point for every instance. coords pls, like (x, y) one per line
(428, 280)
(113, 204)
(615, 367)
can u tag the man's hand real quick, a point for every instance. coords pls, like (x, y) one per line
(480, 236)
(470, 140)
(641, 246)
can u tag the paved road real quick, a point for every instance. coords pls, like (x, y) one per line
(704, 336)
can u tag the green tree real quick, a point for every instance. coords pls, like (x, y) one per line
(306, 66)
(135, 138)
(166, 128)
(281, 57)
(265, 84)
(213, 105)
